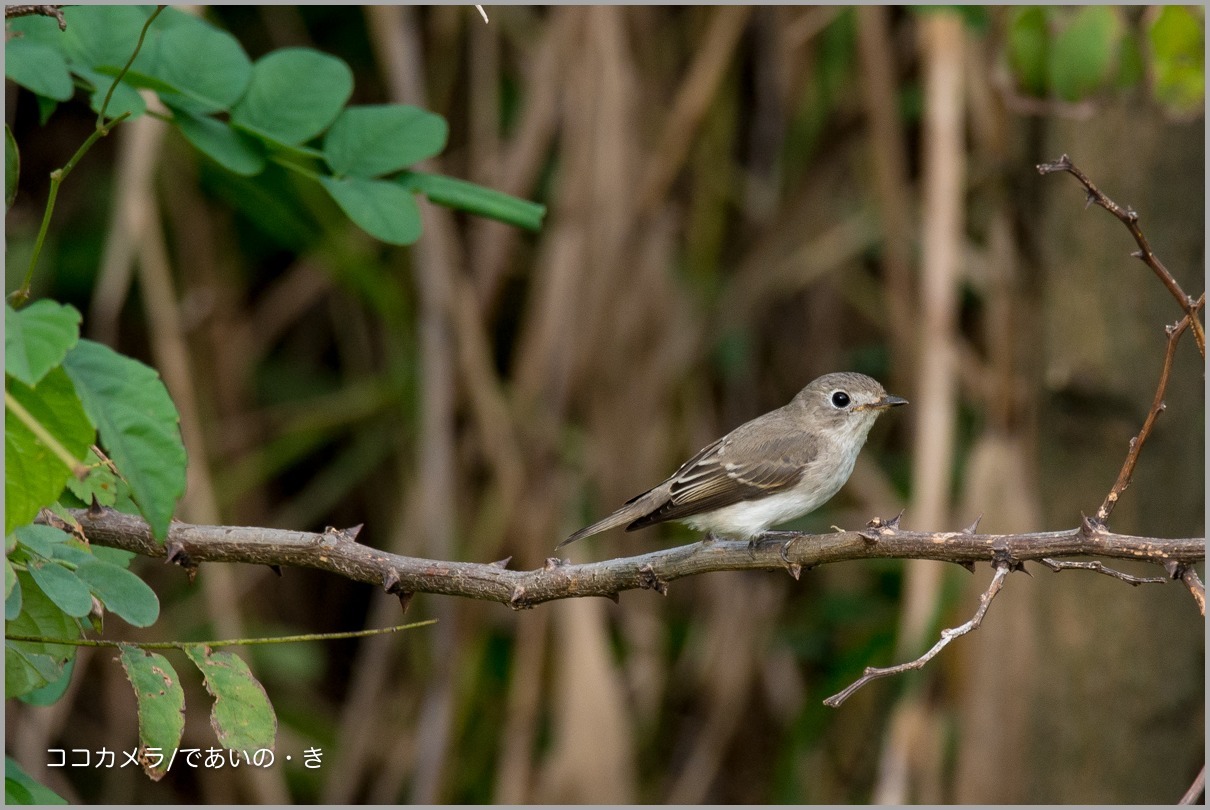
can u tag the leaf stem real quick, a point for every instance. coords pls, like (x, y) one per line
(242, 642)
(22, 293)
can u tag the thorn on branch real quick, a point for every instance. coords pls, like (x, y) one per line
(502, 563)
(971, 529)
(405, 599)
(1187, 574)
(552, 563)
(650, 580)
(390, 581)
(969, 565)
(1091, 527)
(275, 569)
(518, 601)
(878, 528)
(613, 597)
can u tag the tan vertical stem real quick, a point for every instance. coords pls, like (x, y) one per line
(942, 46)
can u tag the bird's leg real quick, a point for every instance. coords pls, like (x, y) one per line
(709, 538)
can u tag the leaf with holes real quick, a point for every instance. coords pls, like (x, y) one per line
(242, 716)
(161, 704)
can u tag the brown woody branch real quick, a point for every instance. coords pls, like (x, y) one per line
(339, 553)
(1157, 407)
(43, 11)
(1002, 567)
(1130, 219)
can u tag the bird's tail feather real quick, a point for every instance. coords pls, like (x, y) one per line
(623, 516)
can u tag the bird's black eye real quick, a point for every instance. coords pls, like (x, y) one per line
(840, 399)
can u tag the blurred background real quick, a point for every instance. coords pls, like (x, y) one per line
(739, 200)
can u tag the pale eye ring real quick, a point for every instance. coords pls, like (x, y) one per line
(840, 399)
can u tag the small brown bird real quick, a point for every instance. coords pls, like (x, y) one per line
(774, 468)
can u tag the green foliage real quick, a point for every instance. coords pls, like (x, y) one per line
(161, 703)
(242, 716)
(138, 425)
(268, 111)
(21, 788)
(12, 167)
(1074, 54)
(67, 398)
(1178, 49)
(35, 471)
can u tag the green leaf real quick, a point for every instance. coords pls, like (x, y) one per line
(161, 703)
(12, 602)
(125, 98)
(138, 425)
(21, 788)
(101, 484)
(383, 209)
(475, 199)
(40, 539)
(39, 68)
(1028, 43)
(46, 108)
(1178, 59)
(227, 147)
(30, 665)
(37, 338)
(10, 579)
(102, 35)
(208, 67)
(372, 141)
(12, 167)
(33, 475)
(295, 94)
(63, 587)
(242, 716)
(54, 690)
(121, 591)
(1083, 55)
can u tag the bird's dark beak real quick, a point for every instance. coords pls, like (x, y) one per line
(886, 402)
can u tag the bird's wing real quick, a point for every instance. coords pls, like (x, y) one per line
(731, 470)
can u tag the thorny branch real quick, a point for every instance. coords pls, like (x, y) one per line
(1003, 567)
(1130, 219)
(1095, 525)
(1157, 407)
(339, 552)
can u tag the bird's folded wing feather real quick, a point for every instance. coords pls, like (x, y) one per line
(720, 476)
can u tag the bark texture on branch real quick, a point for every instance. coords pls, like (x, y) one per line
(338, 552)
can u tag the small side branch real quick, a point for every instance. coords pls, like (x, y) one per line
(1188, 574)
(1130, 219)
(1157, 407)
(1099, 567)
(43, 11)
(948, 635)
(1196, 789)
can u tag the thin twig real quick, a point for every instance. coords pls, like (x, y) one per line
(1130, 219)
(1187, 574)
(948, 635)
(1096, 565)
(224, 642)
(1157, 407)
(1196, 789)
(45, 11)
